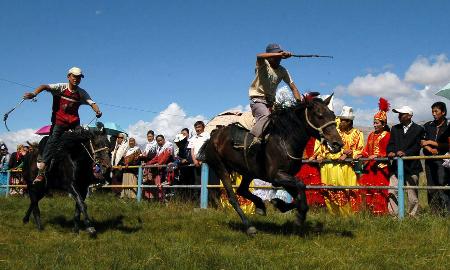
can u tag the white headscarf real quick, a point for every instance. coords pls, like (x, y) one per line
(119, 150)
(150, 147)
(161, 149)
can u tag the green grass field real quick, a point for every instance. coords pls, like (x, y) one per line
(147, 235)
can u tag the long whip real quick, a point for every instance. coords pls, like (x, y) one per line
(5, 117)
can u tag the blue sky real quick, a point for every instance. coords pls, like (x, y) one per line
(200, 55)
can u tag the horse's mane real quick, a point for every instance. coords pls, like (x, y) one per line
(287, 121)
(284, 121)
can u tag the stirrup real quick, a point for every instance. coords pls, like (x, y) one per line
(255, 141)
(252, 148)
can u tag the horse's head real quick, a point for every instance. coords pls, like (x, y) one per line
(100, 153)
(322, 123)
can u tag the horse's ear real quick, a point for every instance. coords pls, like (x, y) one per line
(328, 99)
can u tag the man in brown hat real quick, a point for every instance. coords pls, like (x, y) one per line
(268, 74)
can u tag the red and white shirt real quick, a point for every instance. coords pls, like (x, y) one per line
(66, 104)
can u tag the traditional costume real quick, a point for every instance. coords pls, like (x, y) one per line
(376, 172)
(342, 202)
(130, 175)
(310, 175)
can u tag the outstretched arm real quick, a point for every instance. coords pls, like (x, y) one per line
(96, 109)
(295, 91)
(36, 91)
(283, 55)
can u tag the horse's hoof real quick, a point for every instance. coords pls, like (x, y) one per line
(260, 211)
(76, 230)
(25, 220)
(251, 231)
(92, 232)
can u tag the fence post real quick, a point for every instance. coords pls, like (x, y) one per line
(204, 187)
(139, 189)
(401, 191)
(8, 178)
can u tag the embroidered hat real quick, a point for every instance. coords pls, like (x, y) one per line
(347, 113)
(383, 106)
(273, 48)
(404, 109)
(75, 71)
(179, 138)
(3, 147)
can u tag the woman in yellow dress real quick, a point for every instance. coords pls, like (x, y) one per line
(343, 201)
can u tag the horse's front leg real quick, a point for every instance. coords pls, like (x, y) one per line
(244, 191)
(83, 208)
(76, 219)
(297, 190)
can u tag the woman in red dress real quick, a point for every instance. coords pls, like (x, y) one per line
(376, 172)
(310, 175)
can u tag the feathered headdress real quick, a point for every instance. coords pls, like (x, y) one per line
(383, 106)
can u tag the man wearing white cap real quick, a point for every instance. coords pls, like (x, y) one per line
(67, 98)
(405, 141)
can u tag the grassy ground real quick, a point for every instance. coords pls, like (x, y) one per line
(175, 236)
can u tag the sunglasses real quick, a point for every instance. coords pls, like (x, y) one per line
(119, 137)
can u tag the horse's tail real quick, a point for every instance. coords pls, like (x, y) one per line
(201, 155)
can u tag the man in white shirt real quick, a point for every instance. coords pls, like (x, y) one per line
(197, 141)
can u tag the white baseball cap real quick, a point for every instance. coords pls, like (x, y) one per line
(75, 71)
(404, 109)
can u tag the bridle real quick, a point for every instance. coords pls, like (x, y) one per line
(319, 129)
(94, 151)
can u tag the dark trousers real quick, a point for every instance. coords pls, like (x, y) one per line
(52, 142)
(437, 175)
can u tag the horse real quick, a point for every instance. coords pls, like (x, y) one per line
(82, 157)
(275, 160)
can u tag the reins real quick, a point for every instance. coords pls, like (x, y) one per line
(319, 129)
(94, 151)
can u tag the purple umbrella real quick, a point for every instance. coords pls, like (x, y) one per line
(45, 130)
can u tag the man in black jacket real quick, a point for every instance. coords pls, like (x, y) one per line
(405, 141)
(437, 174)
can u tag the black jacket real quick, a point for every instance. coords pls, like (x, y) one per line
(408, 143)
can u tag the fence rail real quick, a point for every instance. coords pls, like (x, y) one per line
(205, 175)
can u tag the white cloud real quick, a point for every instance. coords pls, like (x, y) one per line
(12, 139)
(417, 89)
(386, 84)
(422, 71)
(98, 12)
(168, 123)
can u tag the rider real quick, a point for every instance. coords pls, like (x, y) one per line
(269, 74)
(67, 98)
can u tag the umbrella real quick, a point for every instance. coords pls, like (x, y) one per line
(444, 92)
(45, 130)
(111, 128)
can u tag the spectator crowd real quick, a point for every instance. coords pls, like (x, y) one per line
(175, 163)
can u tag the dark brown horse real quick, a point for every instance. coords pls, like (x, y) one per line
(276, 160)
(82, 156)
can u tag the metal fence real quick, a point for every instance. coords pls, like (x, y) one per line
(205, 176)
